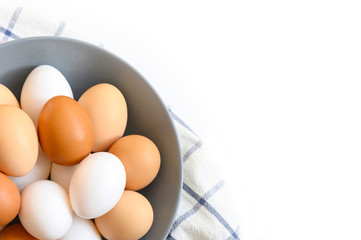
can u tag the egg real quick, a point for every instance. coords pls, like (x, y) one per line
(65, 131)
(82, 229)
(96, 185)
(18, 142)
(131, 218)
(9, 200)
(45, 210)
(107, 110)
(43, 83)
(62, 174)
(141, 160)
(40, 171)
(7, 97)
(16, 232)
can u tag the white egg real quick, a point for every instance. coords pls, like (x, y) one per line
(97, 185)
(40, 171)
(62, 174)
(82, 229)
(43, 83)
(45, 210)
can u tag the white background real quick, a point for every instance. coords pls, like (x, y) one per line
(275, 85)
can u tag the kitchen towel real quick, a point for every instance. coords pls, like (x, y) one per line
(206, 210)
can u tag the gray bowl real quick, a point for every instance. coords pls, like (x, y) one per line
(85, 65)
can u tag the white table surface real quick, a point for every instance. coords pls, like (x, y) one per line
(274, 85)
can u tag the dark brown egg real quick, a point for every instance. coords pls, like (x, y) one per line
(65, 131)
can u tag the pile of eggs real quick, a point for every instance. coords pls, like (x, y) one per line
(66, 170)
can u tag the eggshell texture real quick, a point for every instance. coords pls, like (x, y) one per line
(16, 232)
(9, 200)
(18, 142)
(65, 131)
(45, 210)
(40, 171)
(96, 185)
(7, 97)
(43, 83)
(108, 112)
(62, 174)
(82, 229)
(130, 219)
(141, 160)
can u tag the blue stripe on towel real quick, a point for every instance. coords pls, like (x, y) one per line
(60, 29)
(211, 210)
(234, 235)
(199, 204)
(192, 150)
(175, 117)
(8, 32)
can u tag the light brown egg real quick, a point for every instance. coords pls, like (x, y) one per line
(107, 109)
(130, 219)
(9, 200)
(141, 160)
(16, 232)
(7, 97)
(65, 131)
(18, 142)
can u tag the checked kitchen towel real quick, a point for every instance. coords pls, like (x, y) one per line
(205, 211)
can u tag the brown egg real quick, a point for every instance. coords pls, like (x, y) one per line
(130, 219)
(7, 97)
(65, 131)
(18, 142)
(16, 232)
(107, 109)
(141, 160)
(9, 200)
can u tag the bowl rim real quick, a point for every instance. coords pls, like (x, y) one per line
(108, 52)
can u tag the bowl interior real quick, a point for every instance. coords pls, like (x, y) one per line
(85, 65)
